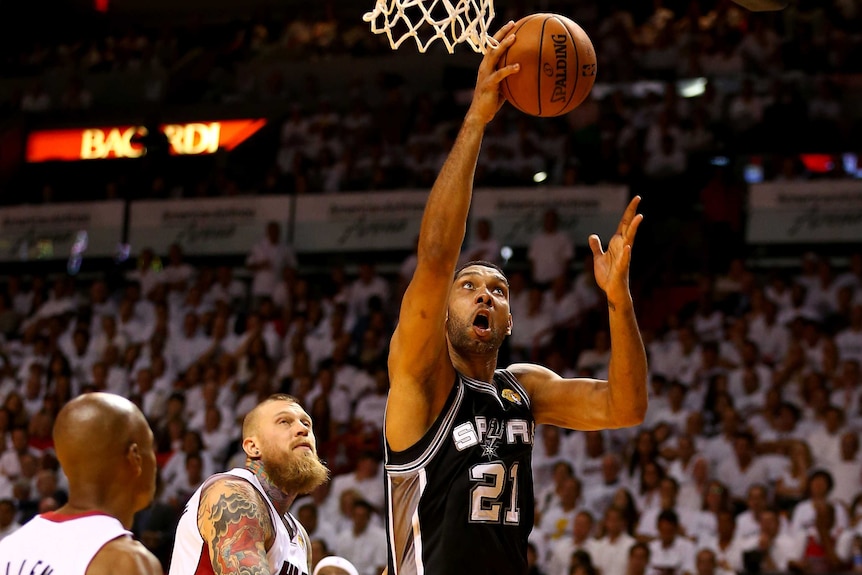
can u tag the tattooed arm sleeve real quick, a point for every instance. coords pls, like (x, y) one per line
(236, 526)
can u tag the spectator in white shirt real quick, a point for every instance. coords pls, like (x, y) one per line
(772, 337)
(562, 301)
(550, 251)
(674, 413)
(579, 538)
(188, 346)
(558, 522)
(670, 552)
(647, 527)
(743, 469)
(596, 359)
(370, 408)
(366, 480)
(724, 544)
(368, 284)
(682, 356)
(129, 325)
(309, 517)
(819, 491)
(770, 551)
(107, 335)
(177, 275)
(534, 330)
(639, 559)
(483, 246)
(610, 554)
(267, 259)
(847, 471)
(364, 544)
(825, 440)
(548, 494)
(547, 452)
(11, 459)
(846, 391)
(8, 525)
(226, 288)
(184, 484)
(849, 340)
(748, 522)
(147, 273)
(706, 563)
(588, 467)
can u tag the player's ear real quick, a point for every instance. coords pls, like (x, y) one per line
(133, 456)
(509, 325)
(251, 448)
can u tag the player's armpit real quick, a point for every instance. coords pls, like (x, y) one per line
(124, 555)
(579, 403)
(236, 526)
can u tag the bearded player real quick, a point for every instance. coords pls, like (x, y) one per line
(238, 521)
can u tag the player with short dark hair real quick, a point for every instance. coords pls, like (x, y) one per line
(459, 432)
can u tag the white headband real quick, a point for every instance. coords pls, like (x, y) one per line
(338, 562)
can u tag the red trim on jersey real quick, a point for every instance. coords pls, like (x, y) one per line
(205, 566)
(63, 517)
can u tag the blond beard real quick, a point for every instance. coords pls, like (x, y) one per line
(296, 474)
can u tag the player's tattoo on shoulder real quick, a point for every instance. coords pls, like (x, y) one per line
(237, 526)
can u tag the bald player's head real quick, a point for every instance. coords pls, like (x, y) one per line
(105, 445)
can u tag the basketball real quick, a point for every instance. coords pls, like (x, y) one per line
(558, 65)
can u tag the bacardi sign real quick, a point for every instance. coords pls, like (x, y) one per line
(195, 138)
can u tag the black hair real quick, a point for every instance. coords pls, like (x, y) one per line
(668, 515)
(482, 263)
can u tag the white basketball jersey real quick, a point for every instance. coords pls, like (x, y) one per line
(287, 556)
(54, 544)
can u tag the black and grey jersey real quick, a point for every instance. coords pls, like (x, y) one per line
(461, 499)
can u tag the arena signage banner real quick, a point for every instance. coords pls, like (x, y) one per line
(358, 222)
(195, 138)
(805, 212)
(61, 231)
(216, 226)
(516, 215)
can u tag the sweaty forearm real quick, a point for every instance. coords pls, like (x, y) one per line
(627, 370)
(444, 220)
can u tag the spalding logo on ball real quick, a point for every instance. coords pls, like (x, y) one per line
(558, 65)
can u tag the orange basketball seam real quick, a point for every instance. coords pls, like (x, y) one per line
(539, 64)
(577, 63)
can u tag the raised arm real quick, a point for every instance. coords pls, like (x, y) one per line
(420, 370)
(236, 527)
(621, 401)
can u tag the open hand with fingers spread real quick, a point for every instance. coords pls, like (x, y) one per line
(487, 98)
(611, 267)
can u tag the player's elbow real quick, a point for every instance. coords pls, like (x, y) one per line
(630, 417)
(629, 411)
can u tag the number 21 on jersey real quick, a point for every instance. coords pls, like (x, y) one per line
(485, 497)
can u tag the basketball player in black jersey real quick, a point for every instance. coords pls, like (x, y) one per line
(459, 433)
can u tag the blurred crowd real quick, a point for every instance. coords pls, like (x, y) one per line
(748, 459)
(683, 85)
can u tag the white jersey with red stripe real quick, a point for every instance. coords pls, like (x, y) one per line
(287, 556)
(55, 544)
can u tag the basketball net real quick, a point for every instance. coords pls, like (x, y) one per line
(452, 21)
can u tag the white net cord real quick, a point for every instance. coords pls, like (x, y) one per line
(467, 21)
